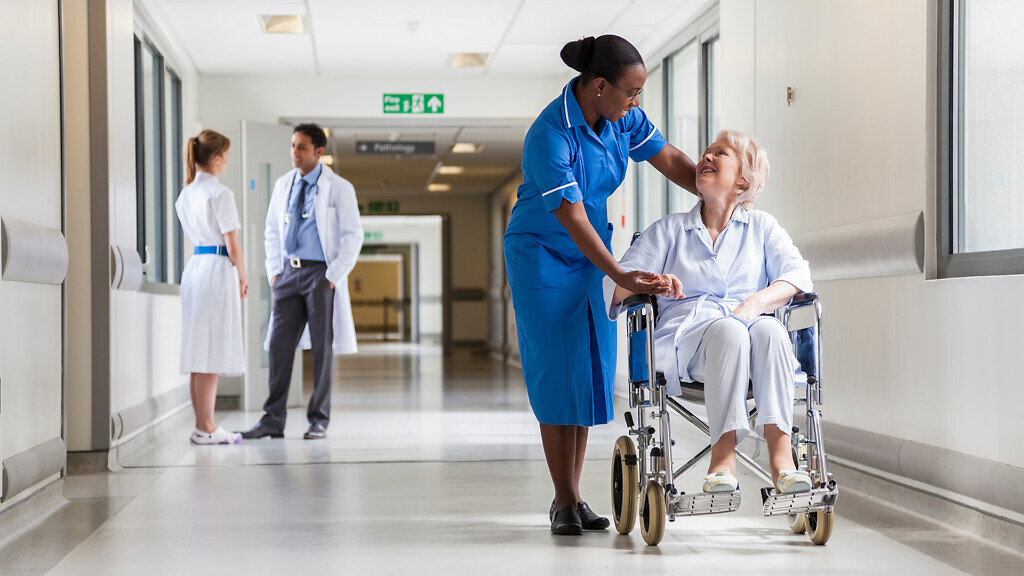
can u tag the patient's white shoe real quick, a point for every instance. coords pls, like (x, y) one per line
(721, 481)
(793, 482)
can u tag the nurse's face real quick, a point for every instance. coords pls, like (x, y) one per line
(619, 98)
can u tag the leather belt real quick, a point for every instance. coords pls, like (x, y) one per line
(299, 263)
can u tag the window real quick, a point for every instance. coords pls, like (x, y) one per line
(981, 147)
(651, 187)
(159, 167)
(682, 99)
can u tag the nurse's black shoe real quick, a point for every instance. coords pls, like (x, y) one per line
(566, 522)
(589, 519)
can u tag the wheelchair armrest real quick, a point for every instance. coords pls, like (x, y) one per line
(637, 300)
(802, 299)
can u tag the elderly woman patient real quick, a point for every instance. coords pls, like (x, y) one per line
(734, 264)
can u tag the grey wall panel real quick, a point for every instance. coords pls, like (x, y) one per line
(25, 470)
(141, 415)
(978, 478)
(33, 253)
(886, 247)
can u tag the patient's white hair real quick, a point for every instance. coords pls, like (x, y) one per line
(753, 163)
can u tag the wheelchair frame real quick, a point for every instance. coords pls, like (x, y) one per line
(647, 474)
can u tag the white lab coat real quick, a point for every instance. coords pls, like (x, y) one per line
(341, 237)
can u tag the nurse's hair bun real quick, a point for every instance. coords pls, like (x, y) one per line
(579, 53)
(606, 56)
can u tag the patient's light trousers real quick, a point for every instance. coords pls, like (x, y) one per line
(732, 354)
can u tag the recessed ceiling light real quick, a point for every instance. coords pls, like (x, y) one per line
(466, 148)
(282, 23)
(468, 59)
(437, 187)
(327, 159)
(451, 170)
(327, 132)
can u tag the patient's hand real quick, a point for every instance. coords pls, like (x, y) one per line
(748, 309)
(675, 287)
(666, 285)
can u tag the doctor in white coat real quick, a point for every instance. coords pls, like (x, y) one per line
(312, 240)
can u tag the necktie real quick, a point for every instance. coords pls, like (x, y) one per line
(291, 240)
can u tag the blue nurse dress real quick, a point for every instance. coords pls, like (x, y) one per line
(566, 341)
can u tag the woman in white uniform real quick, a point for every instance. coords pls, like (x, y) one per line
(213, 283)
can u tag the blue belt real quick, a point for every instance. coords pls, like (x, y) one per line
(218, 250)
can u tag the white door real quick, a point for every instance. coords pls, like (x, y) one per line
(265, 157)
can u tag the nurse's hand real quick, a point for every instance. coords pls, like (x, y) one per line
(640, 282)
(272, 280)
(243, 286)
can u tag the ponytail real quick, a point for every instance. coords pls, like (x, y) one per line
(200, 151)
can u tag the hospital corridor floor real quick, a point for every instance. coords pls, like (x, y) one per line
(431, 466)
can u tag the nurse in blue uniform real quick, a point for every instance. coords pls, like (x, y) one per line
(558, 249)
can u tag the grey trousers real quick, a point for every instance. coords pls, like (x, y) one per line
(732, 354)
(301, 296)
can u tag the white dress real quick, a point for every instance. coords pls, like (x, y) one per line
(211, 305)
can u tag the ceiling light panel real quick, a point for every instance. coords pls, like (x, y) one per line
(438, 187)
(283, 23)
(543, 21)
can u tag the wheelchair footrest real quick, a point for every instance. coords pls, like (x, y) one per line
(704, 503)
(776, 504)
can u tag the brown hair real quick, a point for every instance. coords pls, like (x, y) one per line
(201, 149)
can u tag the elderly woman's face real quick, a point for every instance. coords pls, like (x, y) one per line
(719, 170)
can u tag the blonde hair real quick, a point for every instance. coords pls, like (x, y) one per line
(200, 150)
(754, 166)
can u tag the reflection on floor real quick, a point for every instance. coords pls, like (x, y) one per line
(432, 466)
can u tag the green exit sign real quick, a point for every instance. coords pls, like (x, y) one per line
(414, 103)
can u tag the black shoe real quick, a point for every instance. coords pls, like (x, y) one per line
(261, 430)
(566, 522)
(316, 431)
(589, 519)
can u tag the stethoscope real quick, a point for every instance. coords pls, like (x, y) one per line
(287, 213)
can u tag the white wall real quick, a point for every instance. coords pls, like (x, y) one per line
(144, 327)
(30, 161)
(931, 361)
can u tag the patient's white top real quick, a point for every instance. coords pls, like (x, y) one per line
(751, 252)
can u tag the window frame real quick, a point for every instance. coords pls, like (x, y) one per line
(951, 262)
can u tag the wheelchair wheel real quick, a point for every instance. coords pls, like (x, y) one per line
(625, 485)
(819, 526)
(652, 513)
(797, 523)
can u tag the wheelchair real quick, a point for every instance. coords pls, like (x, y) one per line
(643, 478)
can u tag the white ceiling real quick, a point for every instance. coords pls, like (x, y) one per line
(400, 37)
(415, 38)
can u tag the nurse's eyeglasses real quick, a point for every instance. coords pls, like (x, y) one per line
(630, 95)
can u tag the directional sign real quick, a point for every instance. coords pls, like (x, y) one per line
(396, 148)
(414, 103)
